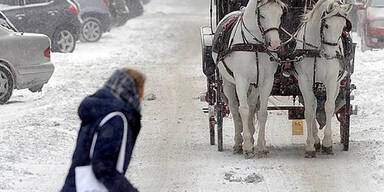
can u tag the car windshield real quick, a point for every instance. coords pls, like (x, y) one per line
(377, 3)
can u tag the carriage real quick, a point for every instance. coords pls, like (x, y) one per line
(283, 85)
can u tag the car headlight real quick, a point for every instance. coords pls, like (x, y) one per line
(377, 24)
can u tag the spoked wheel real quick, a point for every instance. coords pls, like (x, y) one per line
(91, 30)
(6, 84)
(347, 114)
(219, 111)
(64, 41)
(344, 114)
(211, 108)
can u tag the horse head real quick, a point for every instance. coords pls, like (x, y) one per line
(333, 22)
(269, 14)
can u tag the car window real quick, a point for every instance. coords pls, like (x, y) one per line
(8, 3)
(4, 24)
(29, 2)
(377, 3)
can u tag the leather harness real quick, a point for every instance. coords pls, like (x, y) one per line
(260, 47)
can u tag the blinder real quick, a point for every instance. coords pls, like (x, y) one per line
(264, 32)
(348, 27)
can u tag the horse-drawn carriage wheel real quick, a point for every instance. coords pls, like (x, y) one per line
(219, 111)
(347, 113)
(211, 105)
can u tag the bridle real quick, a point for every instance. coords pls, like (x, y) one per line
(324, 42)
(259, 16)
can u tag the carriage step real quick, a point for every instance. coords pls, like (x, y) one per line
(209, 110)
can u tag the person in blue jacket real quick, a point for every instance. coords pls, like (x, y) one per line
(123, 92)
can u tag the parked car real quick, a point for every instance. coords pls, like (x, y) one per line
(24, 60)
(119, 12)
(371, 21)
(58, 19)
(123, 10)
(96, 19)
(135, 8)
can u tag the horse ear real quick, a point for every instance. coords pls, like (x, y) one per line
(331, 7)
(346, 8)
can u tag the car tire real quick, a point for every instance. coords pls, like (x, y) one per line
(91, 30)
(64, 41)
(6, 84)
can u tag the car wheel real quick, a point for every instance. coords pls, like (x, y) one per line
(64, 41)
(91, 30)
(6, 84)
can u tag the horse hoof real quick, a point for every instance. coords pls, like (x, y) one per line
(317, 147)
(249, 154)
(310, 154)
(262, 154)
(237, 149)
(327, 150)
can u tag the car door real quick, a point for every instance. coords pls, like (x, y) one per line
(41, 15)
(14, 11)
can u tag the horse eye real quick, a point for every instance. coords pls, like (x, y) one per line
(326, 26)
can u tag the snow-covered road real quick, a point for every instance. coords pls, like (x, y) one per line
(38, 130)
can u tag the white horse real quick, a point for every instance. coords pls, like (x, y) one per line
(258, 24)
(321, 30)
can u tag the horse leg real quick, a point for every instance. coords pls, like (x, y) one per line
(253, 102)
(242, 87)
(316, 137)
(310, 113)
(262, 117)
(329, 111)
(230, 91)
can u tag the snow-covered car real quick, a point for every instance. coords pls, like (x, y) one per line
(58, 19)
(372, 24)
(25, 61)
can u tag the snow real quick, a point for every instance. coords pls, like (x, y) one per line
(38, 130)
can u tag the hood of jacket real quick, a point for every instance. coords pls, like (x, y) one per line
(118, 94)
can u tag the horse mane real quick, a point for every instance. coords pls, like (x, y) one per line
(308, 16)
(277, 1)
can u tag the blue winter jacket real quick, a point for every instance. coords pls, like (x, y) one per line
(118, 94)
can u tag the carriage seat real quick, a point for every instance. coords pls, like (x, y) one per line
(223, 32)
